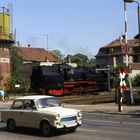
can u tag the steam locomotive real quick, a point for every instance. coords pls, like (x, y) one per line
(62, 79)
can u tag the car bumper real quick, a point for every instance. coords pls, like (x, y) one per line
(67, 124)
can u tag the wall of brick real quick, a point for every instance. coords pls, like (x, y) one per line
(4, 65)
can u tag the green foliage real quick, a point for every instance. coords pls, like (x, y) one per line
(14, 80)
(115, 75)
(16, 60)
(80, 59)
(83, 60)
(1, 77)
(58, 55)
(136, 80)
(92, 62)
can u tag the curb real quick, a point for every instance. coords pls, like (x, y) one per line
(113, 113)
(108, 109)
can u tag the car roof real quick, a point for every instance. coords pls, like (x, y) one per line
(34, 97)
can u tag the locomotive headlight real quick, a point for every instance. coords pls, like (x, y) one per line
(57, 116)
(79, 114)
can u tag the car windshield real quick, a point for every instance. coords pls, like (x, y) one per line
(48, 102)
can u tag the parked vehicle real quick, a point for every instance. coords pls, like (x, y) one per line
(41, 112)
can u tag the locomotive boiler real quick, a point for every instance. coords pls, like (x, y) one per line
(62, 79)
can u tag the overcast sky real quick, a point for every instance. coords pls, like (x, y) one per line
(72, 26)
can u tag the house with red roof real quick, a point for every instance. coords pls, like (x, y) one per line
(114, 54)
(33, 57)
(30, 57)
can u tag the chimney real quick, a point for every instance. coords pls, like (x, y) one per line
(29, 45)
(121, 38)
(19, 44)
(69, 58)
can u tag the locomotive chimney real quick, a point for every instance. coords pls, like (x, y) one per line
(29, 45)
(69, 58)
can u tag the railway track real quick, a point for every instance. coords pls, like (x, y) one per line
(93, 99)
(88, 99)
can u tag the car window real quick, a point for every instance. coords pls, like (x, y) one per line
(28, 104)
(17, 104)
(47, 102)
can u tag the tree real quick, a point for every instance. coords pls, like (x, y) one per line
(92, 62)
(13, 81)
(16, 60)
(58, 55)
(80, 59)
(136, 80)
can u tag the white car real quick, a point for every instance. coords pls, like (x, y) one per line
(41, 112)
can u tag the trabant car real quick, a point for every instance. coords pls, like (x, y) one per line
(41, 112)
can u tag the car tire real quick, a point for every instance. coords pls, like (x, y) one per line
(11, 124)
(46, 128)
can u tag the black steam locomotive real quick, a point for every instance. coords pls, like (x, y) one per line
(62, 79)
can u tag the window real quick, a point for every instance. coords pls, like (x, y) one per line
(28, 104)
(48, 102)
(17, 104)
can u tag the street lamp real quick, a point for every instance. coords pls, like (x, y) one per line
(130, 1)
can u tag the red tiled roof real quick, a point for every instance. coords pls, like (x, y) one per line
(35, 54)
(121, 42)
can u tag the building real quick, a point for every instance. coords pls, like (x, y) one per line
(32, 57)
(7, 38)
(4, 66)
(114, 53)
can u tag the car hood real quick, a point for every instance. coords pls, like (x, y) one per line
(60, 110)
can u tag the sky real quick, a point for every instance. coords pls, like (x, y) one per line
(71, 26)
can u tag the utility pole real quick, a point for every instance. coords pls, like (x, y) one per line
(47, 38)
(126, 43)
(122, 85)
(123, 73)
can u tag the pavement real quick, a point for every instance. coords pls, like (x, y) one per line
(106, 108)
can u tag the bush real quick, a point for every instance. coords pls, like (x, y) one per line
(13, 81)
(136, 80)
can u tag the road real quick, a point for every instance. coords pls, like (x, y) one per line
(95, 127)
(116, 127)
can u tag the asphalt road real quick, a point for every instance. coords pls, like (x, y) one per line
(95, 127)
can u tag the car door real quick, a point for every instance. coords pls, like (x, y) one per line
(28, 114)
(15, 112)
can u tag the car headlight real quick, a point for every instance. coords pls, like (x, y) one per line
(79, 114)
(57, 116)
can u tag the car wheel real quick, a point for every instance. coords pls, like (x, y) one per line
(11, 125)
(46, 128)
